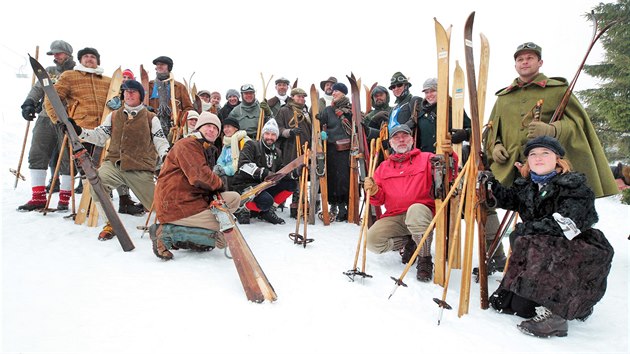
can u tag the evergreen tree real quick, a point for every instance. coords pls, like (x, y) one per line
(609, 105)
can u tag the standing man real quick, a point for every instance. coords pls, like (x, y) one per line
(137, 145)
(160, 95)
(84, 91)
(512, 124)
(403, 185)
(47, 137)
(185, 191)
(406, 103)
(379, 114)
(247, 113)
(280, 99)
(327, 98)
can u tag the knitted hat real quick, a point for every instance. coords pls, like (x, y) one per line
(399, 128)
(60, 46)
(271, 126)
(165, 60)
(208, 118)
(192, 115)
(133, 85)
(398, 78)
(430, 84)
(232, 121)
(330, 79)
(545, 142)
(298, 91)
(340, 87)
(129, 74)
(202, 92)
(529, 46)
(283, 80)
(88, 50)
(232, 92)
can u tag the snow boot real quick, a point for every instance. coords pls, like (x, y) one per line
(107, 233)
(159, 248)
(242, 216)
(425, 269)
(342, 215)
(545, 324)
(271, 217)
(127, 206)
(38, 200)
(407, 252)
(64, 200)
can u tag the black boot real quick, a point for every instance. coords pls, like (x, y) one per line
(407, 252)
(56, 189)
(242, 216)
(127, 206)
(343, 212)
(271, 217)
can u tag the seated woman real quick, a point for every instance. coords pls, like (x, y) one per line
(233, 141)
(559, 263)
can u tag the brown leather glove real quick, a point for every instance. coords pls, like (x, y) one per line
(500, 154)
(370, 186)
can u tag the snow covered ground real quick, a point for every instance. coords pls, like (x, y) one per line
(64, 291)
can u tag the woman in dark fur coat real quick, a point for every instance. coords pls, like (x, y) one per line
(559, 263)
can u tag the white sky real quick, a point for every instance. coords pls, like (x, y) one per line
(229, 43)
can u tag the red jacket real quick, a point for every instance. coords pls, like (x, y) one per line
(403, 180)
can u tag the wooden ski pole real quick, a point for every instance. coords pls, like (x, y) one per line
(72, 173)
(304, 191)
(62, 151)
(399, 280)
(16, 172)
(452, 250)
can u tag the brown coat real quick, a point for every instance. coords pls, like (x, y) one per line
(86, 92)
(186, 183)
(182, 99)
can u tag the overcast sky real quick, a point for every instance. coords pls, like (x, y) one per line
(229, 43)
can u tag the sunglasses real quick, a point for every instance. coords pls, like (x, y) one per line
(398, 85)
(528, 45)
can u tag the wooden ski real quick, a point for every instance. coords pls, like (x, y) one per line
(255, 283)
(457, 122)
(357, 152)
(318, 165)
(443, 167)
(144, 80)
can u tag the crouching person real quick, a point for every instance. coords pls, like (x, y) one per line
(259, 161)
(185, 190)
(403, 185)
(559, 262)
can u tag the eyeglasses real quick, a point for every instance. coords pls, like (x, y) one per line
(528, 45)
(247, 87)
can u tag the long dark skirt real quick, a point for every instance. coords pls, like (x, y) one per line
(566, 276)
(338, 178)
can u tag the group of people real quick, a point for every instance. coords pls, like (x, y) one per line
(224, 150)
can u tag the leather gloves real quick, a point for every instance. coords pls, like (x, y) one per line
(265, 107)
(459, 135)
(28, 109)
(500, 154)
(294, 132)
(370, 186)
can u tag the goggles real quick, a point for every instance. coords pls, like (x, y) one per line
(528, 45)
(248, 88)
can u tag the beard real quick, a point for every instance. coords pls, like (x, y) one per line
(402, 147)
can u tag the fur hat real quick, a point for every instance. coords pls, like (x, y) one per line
(133, 85)
(398, 78)
(88, 50)
(60, 46)
(529, 46)
(233, 122)
(232, 92)
(330, 79)
(399, 128)
(545, 142)
(128, 73)
(166, 60)
(340, 87)
(271, 126)
(430, 84)
(208, 118)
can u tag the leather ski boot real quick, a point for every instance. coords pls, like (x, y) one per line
(127, 206)
(159, 248)
(425, 269)
(545, 324)
(407, 252)
(107, 233)
(271, 217)
(242, 216)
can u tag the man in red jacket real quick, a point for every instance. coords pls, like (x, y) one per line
(403, 185)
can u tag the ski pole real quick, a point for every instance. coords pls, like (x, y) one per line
(53, 183)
